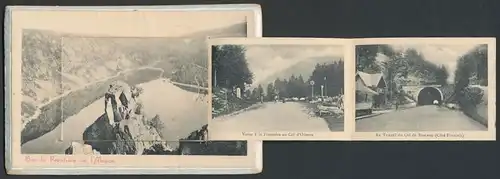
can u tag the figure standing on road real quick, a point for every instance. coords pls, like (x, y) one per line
(399, 98)
(397, 104)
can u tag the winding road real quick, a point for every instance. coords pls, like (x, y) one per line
(422, 118)
(271, 117)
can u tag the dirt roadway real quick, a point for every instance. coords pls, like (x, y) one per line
(423, 118)
(272, 116)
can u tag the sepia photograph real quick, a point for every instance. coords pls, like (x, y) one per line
(108, 91)
(119, 95)
(288, 87)
(422, 86)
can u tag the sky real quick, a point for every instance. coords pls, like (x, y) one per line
(267, 60)
(447, 55)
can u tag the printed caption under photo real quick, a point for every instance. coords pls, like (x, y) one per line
(420, 135)
(93, 160)
(277, 134)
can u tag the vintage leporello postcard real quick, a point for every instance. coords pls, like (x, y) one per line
(277, 89)
(424, 89)
(119, 88)
(353, 89)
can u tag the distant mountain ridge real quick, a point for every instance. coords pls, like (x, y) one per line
(304, 68)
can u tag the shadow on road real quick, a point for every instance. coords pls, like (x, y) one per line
(250, 108)
(421, 118)
(367, 116)
(383, 111)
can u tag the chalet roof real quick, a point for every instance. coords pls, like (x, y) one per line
(371, 80)
(361, 86)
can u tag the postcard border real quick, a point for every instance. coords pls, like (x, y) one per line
(256, 23)
(488, 135)
(237, 135)
(184, 8)
(349, 125)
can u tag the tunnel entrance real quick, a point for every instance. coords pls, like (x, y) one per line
(427, 95)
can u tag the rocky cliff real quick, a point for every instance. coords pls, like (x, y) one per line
(123, 128)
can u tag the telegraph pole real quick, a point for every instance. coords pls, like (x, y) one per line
(326, 91)
(215, 77)
(312, 88)
(322, 91)
(391, 84)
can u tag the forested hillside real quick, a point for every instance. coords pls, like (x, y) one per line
(403, 67)
(329, 75)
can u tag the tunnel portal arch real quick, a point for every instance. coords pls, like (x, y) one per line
(426, 95)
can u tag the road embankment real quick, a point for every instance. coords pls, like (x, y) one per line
(478, 112)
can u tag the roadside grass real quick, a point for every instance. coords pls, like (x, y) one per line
(223, 104)
(474, 103)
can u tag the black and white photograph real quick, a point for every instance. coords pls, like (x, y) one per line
(95, 91)
(277, 87)
(431, 86)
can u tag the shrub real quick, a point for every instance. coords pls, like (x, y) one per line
(225, 102)
(468, 100)
(473, 95)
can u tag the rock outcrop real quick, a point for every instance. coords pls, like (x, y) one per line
(81, 149)
(123, 129)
